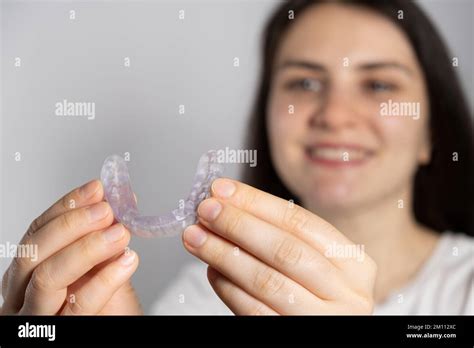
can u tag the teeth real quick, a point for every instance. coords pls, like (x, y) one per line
(341, 154)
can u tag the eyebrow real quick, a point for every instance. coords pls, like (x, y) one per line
(385, 65)
(291, 63)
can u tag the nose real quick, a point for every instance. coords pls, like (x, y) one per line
(336, 111)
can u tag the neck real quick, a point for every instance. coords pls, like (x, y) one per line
(390, 236)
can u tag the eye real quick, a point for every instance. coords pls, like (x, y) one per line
(379, 86)
(305, 84)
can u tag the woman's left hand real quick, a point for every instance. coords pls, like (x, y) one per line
(270, 256)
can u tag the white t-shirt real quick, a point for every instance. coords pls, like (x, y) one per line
(444, 285)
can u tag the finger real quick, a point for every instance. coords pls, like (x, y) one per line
(251, 275)
(47, 288)
(305, 225)
(49, 239)
(90, 193)
(281, 250)
(94, 294)
(238, 301)
(284, 214)
(124, 301)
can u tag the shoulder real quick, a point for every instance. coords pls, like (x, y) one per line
(461, 245)
(455, 261)
(190, 294)
(456, 274)
(443, 286)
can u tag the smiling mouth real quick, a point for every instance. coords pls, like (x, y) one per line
(338, 155)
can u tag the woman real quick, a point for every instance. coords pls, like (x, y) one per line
(361, 121)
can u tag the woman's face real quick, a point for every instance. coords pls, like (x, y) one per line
(348, 110)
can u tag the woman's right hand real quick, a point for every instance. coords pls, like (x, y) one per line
(83, 264)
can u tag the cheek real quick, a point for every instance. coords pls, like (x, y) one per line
(286, 133)
(402, 138)
(283, 125)
(288, 117)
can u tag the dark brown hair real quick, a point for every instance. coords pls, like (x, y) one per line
(443, 189)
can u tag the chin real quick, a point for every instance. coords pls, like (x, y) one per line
(329, 198)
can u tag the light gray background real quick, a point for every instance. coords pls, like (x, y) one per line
(173, 62)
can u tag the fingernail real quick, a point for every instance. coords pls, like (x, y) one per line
(127, 258)
(194, 236)
(223, 187)
(209, 209)
(98, 211)
(88, 189)
(114, 233)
